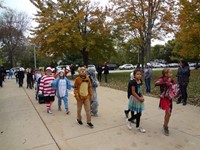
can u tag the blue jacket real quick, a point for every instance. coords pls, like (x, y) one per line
(55, 85)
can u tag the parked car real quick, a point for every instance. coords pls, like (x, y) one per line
(173, 65)
(112, 66)
(126, 67)
(61, 67)
(156, 65)
(192, 64)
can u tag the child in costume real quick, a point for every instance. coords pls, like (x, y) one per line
(166, 82)
(128, 110)
(61, 85)
(46, 89)
(83, 95)
(136, 100)
(95, 83)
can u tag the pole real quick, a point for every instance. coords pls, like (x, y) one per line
(138, 55)
(35, 58)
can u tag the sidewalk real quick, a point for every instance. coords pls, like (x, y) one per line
(26, 125)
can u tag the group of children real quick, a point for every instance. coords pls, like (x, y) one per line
(85, 94)
(136, 100)
(84, 90)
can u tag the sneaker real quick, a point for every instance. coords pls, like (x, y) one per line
(178, 102)
(141, 130)
(90, 125)
(79, 122)
(129, 124)
(166, 130)
(67, 112)
(49, 111)
(126, 113)
(59, 108)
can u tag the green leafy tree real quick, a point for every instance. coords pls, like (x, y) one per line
(73, 27)
(188, 36)
(144, 20)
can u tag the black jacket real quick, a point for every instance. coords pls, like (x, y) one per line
(183, 75)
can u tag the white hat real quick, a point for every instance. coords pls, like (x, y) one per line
(60, 71)
(148, 64)
(48, 68)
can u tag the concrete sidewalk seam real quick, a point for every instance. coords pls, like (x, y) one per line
(94, 132)
(41, 146)
(42, 120)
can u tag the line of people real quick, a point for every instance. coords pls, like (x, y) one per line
(84, 90)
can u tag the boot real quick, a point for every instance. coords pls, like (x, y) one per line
(178, 101)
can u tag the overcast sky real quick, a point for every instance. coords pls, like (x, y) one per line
(30, 9)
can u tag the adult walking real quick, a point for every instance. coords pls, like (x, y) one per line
(106, 72)
(21, 77)
(29, 79)
(183, 75)
(147, 77)
(99, 70)
(72, 68)
(1, 76)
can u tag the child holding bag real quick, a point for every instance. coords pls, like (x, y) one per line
(165, 82)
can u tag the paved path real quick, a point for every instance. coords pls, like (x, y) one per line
(25, 125)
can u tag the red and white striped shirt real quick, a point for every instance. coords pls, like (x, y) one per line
(46, 87)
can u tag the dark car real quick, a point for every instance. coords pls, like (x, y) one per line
(112, 66)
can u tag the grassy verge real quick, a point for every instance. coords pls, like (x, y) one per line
(120, 81)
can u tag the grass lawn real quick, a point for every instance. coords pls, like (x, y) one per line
(120, 81)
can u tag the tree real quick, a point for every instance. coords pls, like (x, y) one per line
(188, 36)
(72, 27)
(12, 40)
(144, 20)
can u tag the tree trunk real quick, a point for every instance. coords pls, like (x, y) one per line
(149, 29)
(85, 55)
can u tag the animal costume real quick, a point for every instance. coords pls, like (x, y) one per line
(62, 86)
(83, 94)
(95, 83)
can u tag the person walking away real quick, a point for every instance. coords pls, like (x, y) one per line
(37, 79)
(46, 90)
(10, 74)
(29, 79)
(106, 72)
(147, 77)
(99, 70)
(165, 82)
(16, 76)
(72, 71)
(136, 100)
(21, 77)
(62, 85)
(183, 75)
(1, 76)
(94, 103)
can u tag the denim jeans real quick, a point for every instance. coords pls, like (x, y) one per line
(148, 85)
(65, 100)
(184, 95)
(106, 77)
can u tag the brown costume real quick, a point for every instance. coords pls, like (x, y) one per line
(83, 94)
